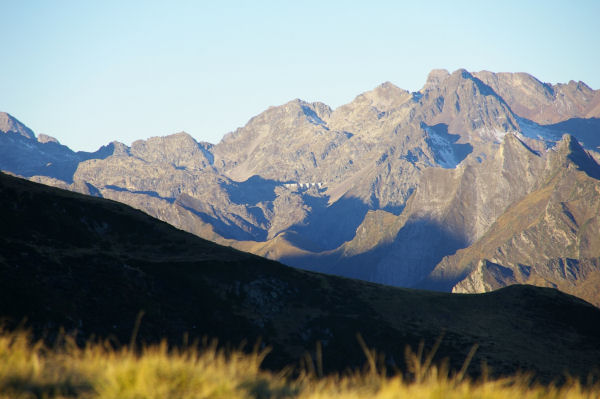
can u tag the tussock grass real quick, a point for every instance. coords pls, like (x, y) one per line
(30, 369)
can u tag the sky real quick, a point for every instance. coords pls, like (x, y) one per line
(90, 72)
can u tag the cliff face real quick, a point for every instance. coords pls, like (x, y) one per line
(551, 237)
(449, 210)
(10, 124)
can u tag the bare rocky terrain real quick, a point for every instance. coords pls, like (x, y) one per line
(396, 187)
(551, 237)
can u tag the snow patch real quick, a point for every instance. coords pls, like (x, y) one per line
(447, 154)
(442, 149)
(532, 130)
(495, 135)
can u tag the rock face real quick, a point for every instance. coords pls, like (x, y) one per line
(543, 103)
(10, 124)
(43, 138)
(383, 188)
(450, 209)
(23, 154)
(551, 237)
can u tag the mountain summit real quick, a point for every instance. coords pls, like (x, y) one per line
(9, 124)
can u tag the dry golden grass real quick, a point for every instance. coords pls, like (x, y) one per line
(32, 370)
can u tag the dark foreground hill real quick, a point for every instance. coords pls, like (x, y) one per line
(92, 265)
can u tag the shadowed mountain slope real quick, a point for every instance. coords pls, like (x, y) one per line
(91, 264)
(449, 210)
(24, 154)
(549, 238)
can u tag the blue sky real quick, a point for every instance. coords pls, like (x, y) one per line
(92, 72)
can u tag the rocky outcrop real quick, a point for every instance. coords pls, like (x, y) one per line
(10, 124)
(43, 138)
(179, 150)
(543, 103)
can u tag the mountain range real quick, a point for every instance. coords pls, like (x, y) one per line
(90, 265)
(477, 181)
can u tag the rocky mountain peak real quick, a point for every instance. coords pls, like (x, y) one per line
(279, 143)
(569, 146)
(385, 97)
(181, 138)
(462, 77)
(118, 148)
(370, 107)
(387, 85)
(512, 140)
(570, 152)
(179, 149)
(520, 162)
(10, 124)
(540, 102)
(442, 79)
(322, 110)
(468, 106)
(43, 138)
(436, 77)
(579, 85)
(315, 113)
(463, 73)
(522, 83)
(293, 112)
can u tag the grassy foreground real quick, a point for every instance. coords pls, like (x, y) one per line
(32, 370)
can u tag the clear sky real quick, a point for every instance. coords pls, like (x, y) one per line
(89, 72)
